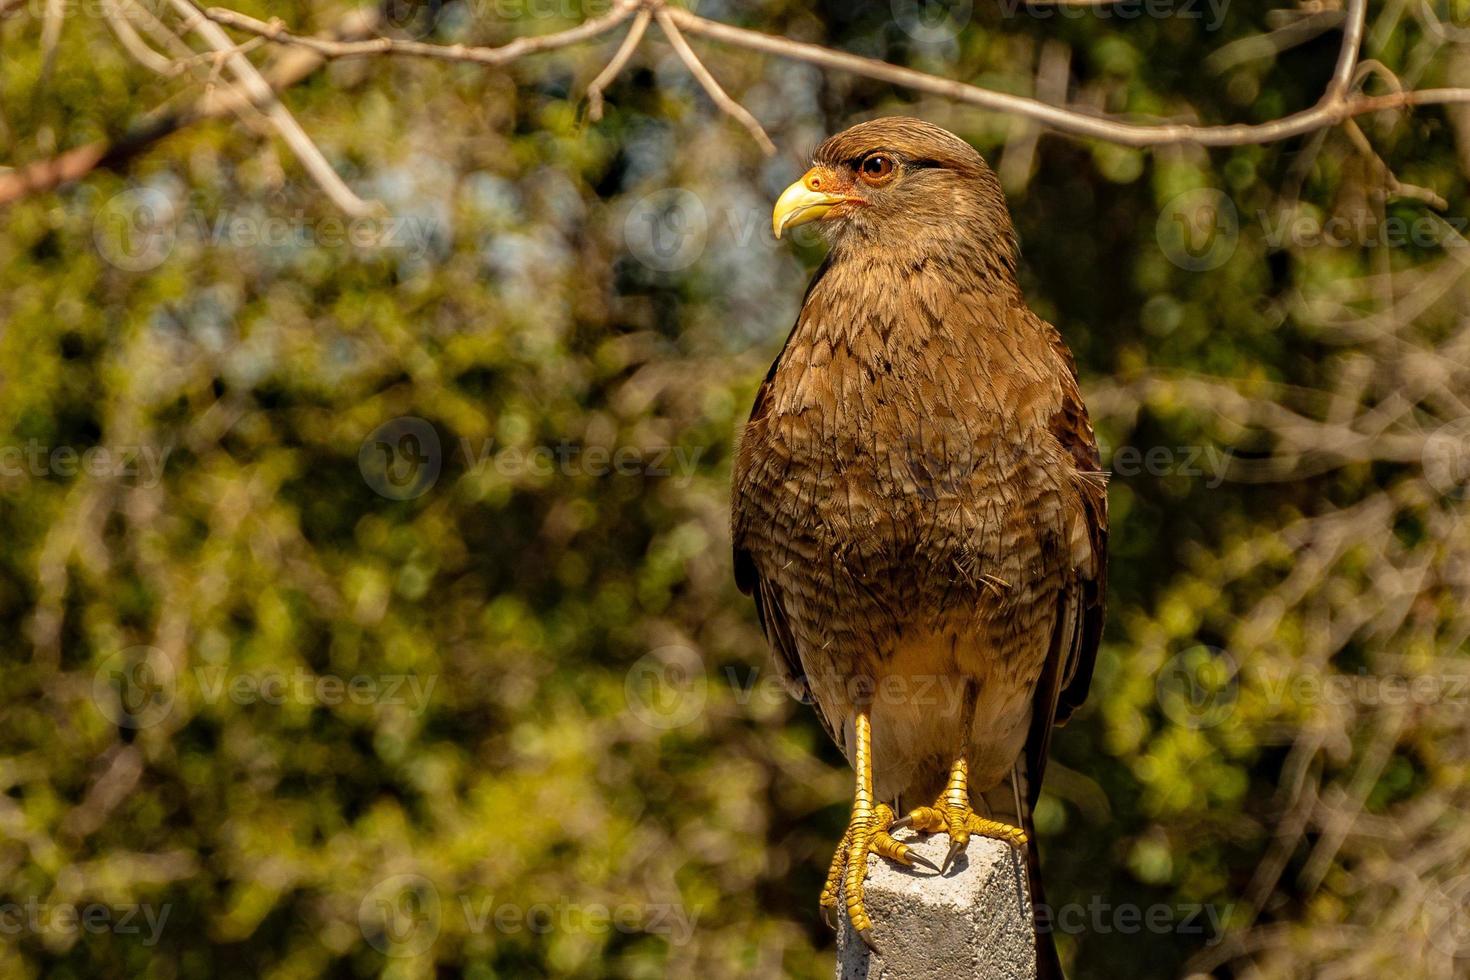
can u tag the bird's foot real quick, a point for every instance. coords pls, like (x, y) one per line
(960, 821)
(867, 833)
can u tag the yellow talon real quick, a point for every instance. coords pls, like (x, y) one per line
(952, 814)
(828, 901)
(867, 832)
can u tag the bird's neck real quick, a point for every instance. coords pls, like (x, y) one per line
(888, 301)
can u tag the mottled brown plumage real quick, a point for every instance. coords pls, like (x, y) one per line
(918, 501)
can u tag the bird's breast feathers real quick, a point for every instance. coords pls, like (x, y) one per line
(920, 419)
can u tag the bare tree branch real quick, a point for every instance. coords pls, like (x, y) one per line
(1330, 110)
(163, 36)
(696, 68)
(51, 24)
(1340, 100)
(275, 30)
(616, 65)
(134, 44)
(1335, 105)
(45, 175)
(1347, 55)
(1283, 38)
(261, 94)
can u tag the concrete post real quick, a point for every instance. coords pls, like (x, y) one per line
(974, 922)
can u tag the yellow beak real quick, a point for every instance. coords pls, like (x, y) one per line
(806, 200)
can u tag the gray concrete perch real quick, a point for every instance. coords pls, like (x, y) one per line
(975, 922)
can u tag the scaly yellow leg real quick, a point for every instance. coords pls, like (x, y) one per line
(867, 831)
(953, 814)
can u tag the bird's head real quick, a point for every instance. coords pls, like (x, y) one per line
(897, 183)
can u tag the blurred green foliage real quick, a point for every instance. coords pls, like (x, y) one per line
(562, 706)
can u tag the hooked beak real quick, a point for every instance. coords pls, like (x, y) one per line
(809, 199)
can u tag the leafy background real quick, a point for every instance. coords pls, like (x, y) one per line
(565, 704)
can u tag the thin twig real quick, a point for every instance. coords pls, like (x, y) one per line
(275, 30)
(616, 65)
(51, 24)
(1272, 43)
(163, 36)
(1019, 156)
(134, 44)
(286, 125)
(1356, 136)
(696, 68)
(1347, 55)
(1391, 182)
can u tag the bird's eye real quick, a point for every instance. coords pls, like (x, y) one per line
(876, 168)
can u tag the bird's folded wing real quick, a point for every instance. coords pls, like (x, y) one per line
(1079, 621)
(769, 610)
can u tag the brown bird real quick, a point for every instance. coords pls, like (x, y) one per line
(918, 506)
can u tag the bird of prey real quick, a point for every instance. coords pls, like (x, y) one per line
(918, 506)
